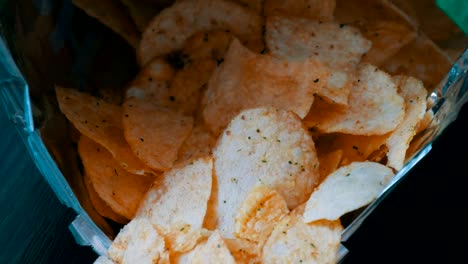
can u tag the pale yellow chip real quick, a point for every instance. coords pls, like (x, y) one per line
(374, 108)
(248, 80)
(100, 121)
(337, 46)
(314, 9)
(119, 189)
(262, 146)
(387, 37)
(294, 241)
(214, 250)
(348, 188)
(177, 202)
(138, 242)
(154, 133)
(259, 213)
(244, 251)
(169, 30)
(113, 15)
(414, 94)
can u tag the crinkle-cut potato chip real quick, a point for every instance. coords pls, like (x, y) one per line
(259, 213)
(314, 9)
(248, 80)
(244, 251)
(169, 30)
(141, 12)
(256, 5)
(178, 200)
(339, 47)
(154, 133)
(138, 242)
(413, 60)
(387, 37)
(348, 188)
(294, 241)
(100, 121)
(353, 147)
(103, 260)
(262, 146)
(329, 162)
(112, 14)
(199, 144)
(214, 250)
(211, 44)
(119, 189)
(100, 205)
(374, 108)
(414, 94)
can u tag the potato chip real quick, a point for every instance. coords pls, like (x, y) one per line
(154, 133)
(258, 214)
(140, 12)
(122, 191)
(112, 14)
(346, 189)
(248, 80)
(337, 46)
(100, 205)
(214, 250)
(314, 9)
(387, 37)
(256, 5)
(177, 203)
(169, 30)
(244, 251)
(329, 162)
(103, 260)
(138, 242)
(374, 108)
(293, 241)
(199, 144)
(262, 146)
(203, 45)
(414, 94)
(101, 122)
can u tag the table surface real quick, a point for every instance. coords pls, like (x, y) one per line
(420, 221)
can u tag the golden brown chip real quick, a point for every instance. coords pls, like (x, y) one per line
(259, 213)
(100, 205)
(207, 45)
(121, 190)
(314, 9)
(337, 46)
(262, 146)
(248, 80)
(329, 162)
(112, 14)
(414, 94)
(169, 30)
(244, 251)
(374, 108)
(256, 5)
(100, 121)
(293, 241)
(138, 242)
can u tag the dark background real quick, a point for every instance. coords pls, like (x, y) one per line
(422, 220)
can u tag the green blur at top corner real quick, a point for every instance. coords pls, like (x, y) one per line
(457, 10)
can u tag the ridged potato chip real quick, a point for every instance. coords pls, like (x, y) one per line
(169, 30)
(100, 121)
(248, 80)
(138, 242)
(314, 9)
(294, 241)
(346, 189)
(119, 189)
(374, 108)
(262, 146)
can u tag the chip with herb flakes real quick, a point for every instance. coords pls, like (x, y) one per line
(374, 108)
(263, 146)
(169, 30)
(138, 242)
(177, 202)
(259, 213)
(414, 94)
(294, 241)
(346, 189)
(199, 144)
(214, 250)
(119, 189)
(100, 121)
(321, 10)
(248, 80)
(338, 47)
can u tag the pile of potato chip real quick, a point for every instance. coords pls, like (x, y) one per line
(251, 128)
